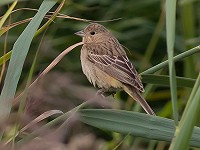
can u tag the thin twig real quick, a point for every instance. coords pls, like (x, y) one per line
(53, 63)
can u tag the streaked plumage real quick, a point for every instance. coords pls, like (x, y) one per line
(105, 64)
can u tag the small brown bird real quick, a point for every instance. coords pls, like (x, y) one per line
(105, 64)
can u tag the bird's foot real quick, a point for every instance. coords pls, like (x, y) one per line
(104, 93)
(101, 93)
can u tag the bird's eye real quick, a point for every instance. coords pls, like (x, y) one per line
(92, 33)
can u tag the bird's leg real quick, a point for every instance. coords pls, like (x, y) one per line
(101, 92)
(104, 93)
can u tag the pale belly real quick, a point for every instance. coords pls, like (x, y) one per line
(98, 77)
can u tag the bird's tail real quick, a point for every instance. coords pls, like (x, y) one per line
(138, 97)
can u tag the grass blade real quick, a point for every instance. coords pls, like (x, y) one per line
(164, 80)
(176, 58)
(20, 50)
(7, 13)
(170, 20)
(187, 122)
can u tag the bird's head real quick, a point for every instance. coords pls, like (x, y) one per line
(94, 33)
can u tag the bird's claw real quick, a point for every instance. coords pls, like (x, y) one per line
(104, 93)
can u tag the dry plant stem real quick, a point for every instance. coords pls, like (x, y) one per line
(56, 60)
(17, 23)
(20, 22)
(33, 122)
(85, 20)
(60, 15)
(5, 47)
(52, 17)
(41, 117)
(66, 116)
(47, 16)
(53, 63)
(4, 52)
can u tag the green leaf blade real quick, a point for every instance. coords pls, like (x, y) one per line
(163, 80)
(19, 53)
(137, 124)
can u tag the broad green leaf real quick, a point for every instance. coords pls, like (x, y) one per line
(137, 124)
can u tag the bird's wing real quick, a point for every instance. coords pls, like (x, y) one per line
(119, 67)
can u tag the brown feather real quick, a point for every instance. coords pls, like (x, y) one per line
(119, 67)
(137, 97)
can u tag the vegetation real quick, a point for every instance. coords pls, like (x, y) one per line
(47, 103)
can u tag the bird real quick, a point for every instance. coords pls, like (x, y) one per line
(106, 65)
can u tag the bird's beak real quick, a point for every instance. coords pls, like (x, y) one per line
(80, 33)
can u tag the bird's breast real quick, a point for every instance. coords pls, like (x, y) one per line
(95, 75)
